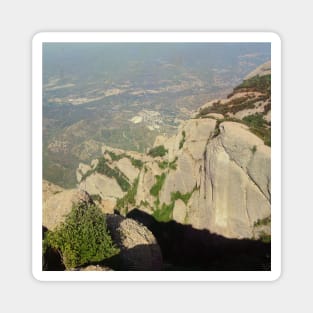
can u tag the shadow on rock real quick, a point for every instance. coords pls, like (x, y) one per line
(186, 248)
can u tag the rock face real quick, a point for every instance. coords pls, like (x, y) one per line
(263, 69)
(82, 170)
(95, 268)
(98, 184)
(139, 248)
(57, 204)
(125, 166)
(216, 171)
(227, 177)
(234, 190)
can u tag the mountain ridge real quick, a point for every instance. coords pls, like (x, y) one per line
(214, 174)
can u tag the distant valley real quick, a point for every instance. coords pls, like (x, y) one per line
(126, 100)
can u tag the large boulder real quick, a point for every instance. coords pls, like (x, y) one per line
(126, 167)
(235, 184)
(227, 171)
(57, 206)
(139, 248)
(104, 186)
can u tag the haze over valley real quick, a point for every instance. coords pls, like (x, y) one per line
(125, 95)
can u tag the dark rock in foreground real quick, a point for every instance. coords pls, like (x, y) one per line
(139, 248)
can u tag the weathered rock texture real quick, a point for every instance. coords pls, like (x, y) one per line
(58, 202)
(139, 248)
(98, 184)
(216, 174)
(226, 170)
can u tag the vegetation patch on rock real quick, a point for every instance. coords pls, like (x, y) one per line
(181, 143)
(165, 164)
(116, 157)
(256, 83)
(103, 168)
(82, 238)
(258, 126)
(158, 151)
(164, 213)
(129, 198)
(155, 189)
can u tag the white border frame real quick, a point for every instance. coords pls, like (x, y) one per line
(37, 42)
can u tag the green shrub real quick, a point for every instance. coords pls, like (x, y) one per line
(264, 221)
(155, 189)
(129, 198)
(257, 83)
(258, 126)
(88, 173)
(265, 237)
(144, 203)
(83, 237)
(255, 120)
(136, 163)
(181, 143)
(184, 197)
(165, 213)
(116, 157)
(165, 164)
(158, 151)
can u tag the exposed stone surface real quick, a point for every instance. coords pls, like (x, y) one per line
(146, 181)
(82, 169)
(98, 184)
(108, 205)
(224, 170)
(180, 211)
(262, 230)
(139, 248)
(263, 69)
(94, 163)
(49, 189)
(57, 206)
(234, 190)
(159, 140)
(216, 115)
(126, 167)
(94, 268)
(228, 175)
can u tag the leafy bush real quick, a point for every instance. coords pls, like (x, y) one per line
(165, 213)
(255, 120)
(158, 151)
(136, 163)
(155, 189)
(83, 237)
